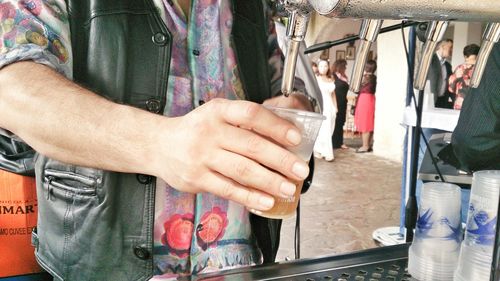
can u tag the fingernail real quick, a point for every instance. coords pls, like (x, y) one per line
(287, 189)
(301, 170)
(293, 136)
(257, 212)
(266, 202)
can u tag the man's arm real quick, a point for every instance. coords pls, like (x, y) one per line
(64, 121)
(205, 151)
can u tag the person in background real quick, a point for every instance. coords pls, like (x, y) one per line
(439, 72)
(139, 112)
(339, 70)
(314, 67)
(323, 146)
(364, 117)
(459, 81)
(341, 90)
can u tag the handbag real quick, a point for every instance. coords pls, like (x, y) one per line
(353, 107)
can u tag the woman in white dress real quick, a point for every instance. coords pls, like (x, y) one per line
(323, 147)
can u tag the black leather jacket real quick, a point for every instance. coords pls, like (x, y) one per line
(98, 225)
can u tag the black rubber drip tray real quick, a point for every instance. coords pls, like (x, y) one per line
(384, 271)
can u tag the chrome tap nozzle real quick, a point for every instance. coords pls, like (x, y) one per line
(299, 13)
(490, 37)
(435, 33)
(367, 35)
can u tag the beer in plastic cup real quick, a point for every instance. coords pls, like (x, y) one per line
(308, 124)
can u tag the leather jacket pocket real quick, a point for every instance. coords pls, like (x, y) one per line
(93, 224)
(70, 198)
(68, 184)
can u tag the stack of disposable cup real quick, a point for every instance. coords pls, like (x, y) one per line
(433, 255)
(476, 254)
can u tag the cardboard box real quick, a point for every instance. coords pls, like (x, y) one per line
(18, 216)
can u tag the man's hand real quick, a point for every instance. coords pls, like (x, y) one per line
(233, 149)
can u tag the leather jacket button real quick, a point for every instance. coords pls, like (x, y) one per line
(141, 252)
(153, 105)
(160, 39)
(144, 179)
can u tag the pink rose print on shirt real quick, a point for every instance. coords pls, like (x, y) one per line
(34, 6)
(178, 233)
(7, 11)
(211, 228)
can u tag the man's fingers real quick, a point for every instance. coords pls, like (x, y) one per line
(250, 174)
(231, 190)
(258, 118)
(265, 152)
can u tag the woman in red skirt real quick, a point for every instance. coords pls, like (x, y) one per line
(364, 116)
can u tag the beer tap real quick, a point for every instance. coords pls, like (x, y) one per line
(440, 11)
(428, 10)
(367, 35)
(490, 37)
(435, 33)
(299, 14)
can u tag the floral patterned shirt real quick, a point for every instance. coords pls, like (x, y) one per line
(35, 30)
(193, 233)
(200, 233)
(459, 86)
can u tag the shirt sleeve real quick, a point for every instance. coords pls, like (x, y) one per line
(36, 30)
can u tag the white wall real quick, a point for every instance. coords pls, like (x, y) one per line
(465, 33)
(322, 29)
(391, 95)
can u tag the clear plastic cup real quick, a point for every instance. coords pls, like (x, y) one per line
(308, 124)
(477, 248)
(474, 264)
(433, 255)
(482, 216)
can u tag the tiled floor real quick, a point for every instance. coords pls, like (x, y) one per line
(350, 198)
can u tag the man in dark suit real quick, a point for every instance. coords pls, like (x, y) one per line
(439, 72)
